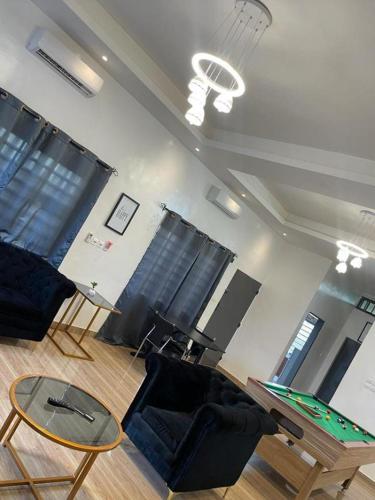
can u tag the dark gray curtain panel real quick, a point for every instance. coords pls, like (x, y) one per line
(177, 276)
(48, 183)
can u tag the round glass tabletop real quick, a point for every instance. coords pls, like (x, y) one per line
(87, 423)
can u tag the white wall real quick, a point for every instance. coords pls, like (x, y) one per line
(264, 335)
(355, 396)
(153, 167)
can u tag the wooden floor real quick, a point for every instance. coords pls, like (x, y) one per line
(122, 473)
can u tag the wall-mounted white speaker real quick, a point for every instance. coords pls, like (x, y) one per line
(222, 200)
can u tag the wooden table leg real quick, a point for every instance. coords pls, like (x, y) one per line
(346, 484)
(7, 423)
(308, 485)
(83, 470)
(12, 431)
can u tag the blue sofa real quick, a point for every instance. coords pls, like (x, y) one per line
(31, 293)
(195, 426)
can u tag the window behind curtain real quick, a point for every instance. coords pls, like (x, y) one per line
(48, 183)
(176, 276)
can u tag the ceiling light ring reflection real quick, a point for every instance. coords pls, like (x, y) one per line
(236, 91)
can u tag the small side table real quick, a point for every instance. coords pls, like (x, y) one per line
(96, 300)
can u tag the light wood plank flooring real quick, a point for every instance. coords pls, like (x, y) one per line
(122, 473)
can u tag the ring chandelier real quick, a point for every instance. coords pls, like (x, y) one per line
(349, 250)
(234, 40)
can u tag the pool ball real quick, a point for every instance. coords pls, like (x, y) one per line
(365, 433)
(328, 417)
(356, 429)
(328, 412)
(344, 427)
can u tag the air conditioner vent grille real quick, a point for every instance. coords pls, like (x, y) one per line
(56, 66)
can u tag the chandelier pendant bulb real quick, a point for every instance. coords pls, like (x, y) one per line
(356, 262)
(197, 99)
(341, 268)
(223, 103)
(195, 115)
(237, 37)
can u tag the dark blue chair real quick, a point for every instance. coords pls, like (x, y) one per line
(195, 426)
(31, 293)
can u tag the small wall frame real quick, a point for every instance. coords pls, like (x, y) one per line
(122, 214)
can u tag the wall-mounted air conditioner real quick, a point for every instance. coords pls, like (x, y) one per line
(222, 200)
(65, 62)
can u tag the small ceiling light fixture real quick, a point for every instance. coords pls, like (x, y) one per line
(197, 150)
(353, 251)
(243, 195)
(284, 234)
(105, 58)
(234, 40)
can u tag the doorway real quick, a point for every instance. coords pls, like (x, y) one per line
(298, 350)
(229, 312)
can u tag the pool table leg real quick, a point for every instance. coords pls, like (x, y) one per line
(346, 484)
(308, 485)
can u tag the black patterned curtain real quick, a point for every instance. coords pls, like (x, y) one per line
(177, 276)
(48, 182)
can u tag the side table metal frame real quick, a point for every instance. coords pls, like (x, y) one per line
(85, 354)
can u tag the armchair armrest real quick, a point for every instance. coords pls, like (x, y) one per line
(170, 384)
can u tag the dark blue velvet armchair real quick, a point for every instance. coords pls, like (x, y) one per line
(195, 427)
(31, 293)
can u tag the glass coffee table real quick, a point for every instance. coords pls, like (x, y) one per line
(87, 426)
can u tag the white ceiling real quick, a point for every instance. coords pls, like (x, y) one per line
(310, 81)
(319, 208)
(300, 143)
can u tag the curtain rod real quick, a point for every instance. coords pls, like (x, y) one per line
(4, 95)
(163, 206)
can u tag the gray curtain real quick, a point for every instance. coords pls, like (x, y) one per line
(48, 182)
(176, 276)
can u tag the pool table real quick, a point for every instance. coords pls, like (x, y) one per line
(316, 446)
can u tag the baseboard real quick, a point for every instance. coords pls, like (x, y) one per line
(366, 479)
(73, 329)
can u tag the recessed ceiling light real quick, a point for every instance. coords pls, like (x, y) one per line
(197, 149)
(284, 234)
(243, 195)
(105, 58)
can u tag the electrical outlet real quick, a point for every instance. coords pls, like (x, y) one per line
(104, 245)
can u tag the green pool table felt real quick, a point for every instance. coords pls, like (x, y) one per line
(332, 426)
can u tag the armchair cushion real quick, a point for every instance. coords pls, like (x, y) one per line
(170, 426)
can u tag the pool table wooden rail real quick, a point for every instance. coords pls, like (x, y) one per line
(335, 461)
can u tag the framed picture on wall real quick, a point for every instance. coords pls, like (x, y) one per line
(122, 214)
